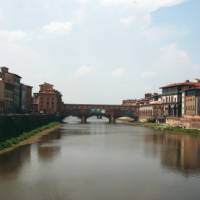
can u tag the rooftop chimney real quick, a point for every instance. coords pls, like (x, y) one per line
(4, 69)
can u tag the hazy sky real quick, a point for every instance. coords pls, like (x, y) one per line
(101, 51)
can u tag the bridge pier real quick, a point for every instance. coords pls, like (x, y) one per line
(99, 116)
(83, 120)
(112, 120)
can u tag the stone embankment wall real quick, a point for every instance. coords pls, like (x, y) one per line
(14, 125)
(186, 122)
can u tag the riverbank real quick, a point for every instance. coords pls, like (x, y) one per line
(166, 128)
(28, 137)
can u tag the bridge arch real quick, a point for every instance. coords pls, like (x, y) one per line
(133, 118)
(102, 118)
(66, 118)
(112, 112)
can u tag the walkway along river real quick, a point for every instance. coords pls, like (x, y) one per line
(101, 161)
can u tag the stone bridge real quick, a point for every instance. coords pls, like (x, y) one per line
(112, 112)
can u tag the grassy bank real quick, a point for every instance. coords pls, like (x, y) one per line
(27, 137)
(166, 128)
(172, 129)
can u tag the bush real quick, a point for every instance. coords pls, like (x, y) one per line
(151, 120)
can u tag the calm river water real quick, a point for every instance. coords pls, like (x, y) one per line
(100, 161)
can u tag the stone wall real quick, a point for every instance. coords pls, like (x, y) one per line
(14, 125)
(186, 121)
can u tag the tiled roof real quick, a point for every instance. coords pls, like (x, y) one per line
(194, 84)
(45, 83)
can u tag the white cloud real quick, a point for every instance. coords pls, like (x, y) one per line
(172, 56)
(119, 72)
(170, 64)
(114, 3)
(139, 13)
(127, 20)
(102, 44)
(84, 71)
(12, 36)
(147, 75)
(153, 5)
(145, 5)
(1, 16)
(153, 33)
(173, 61)
(140, 20)
(15, 53)
(157, 33)
(58, 27)
(81, 10)
(83, 2)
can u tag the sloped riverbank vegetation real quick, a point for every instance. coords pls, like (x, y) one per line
(166, 128)
(13, 125)
(172, 129)
(27, 137)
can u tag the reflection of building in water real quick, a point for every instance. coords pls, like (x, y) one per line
(13, 162)
(46, 152)
(55, 135)
(178, 152)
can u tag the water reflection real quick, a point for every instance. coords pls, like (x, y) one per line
(177, 152)
(47, 152)
(12, 163)
(49, 147)
(56, 135)
(101, 161)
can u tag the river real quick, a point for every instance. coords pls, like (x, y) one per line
(101, 161)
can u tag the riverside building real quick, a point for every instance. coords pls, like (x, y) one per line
(191, 102)
(9, 91)
(47, 100)
(173, 97)
(26, 98)
(150, 108)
